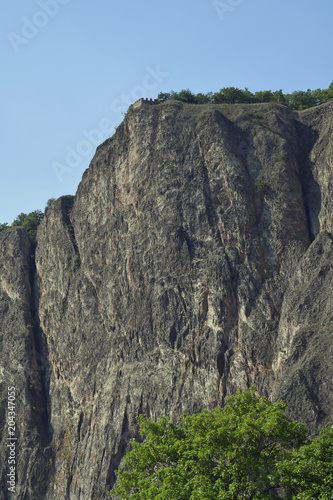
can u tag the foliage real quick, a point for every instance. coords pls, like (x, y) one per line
(260, 186)
(130, 110)
(30, 222)
(186, 96)
(226, 453)
(302, 100)
(232, 95)
(296, 101)
(32, 385)
(50, 201)
(309, 473)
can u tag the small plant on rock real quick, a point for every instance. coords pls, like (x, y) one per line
(260, 186)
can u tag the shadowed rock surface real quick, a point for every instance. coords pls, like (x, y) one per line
(195, 258)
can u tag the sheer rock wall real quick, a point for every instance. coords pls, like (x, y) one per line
(195, 258)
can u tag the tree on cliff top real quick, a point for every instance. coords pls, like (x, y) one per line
(243, 451)
(30, 222)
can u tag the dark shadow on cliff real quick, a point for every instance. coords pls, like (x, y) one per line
(311, 189)
(41, 355)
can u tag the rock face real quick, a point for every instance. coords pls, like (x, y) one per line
(195, 258)
(21, 373)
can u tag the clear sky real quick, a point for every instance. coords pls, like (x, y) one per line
(70, 68)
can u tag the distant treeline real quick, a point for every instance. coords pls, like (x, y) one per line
(296, 101)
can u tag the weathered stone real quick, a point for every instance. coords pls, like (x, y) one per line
(22, 370)
(195, 258)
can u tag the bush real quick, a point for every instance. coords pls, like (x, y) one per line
(30, 222)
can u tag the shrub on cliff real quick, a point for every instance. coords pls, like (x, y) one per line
(243, 451)
(30, 222)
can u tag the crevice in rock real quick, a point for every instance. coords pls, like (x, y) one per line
(46, 431)
(183, 237)
(67, 205)
(173, 336)
(79, 425)
(210, 208)
(310, 188)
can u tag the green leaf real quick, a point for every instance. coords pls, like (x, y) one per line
(229, 452)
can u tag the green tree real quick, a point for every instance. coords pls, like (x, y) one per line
(324, 95)
(330, 91)
(296, 101)
(173, 95)
(309, 472)
(264, 96)
(30, 222)
(299, 100)
(203, 98)
(186, 96)
(50, 201)
(229, 453)
(279, 97)
(164, 95)
(3, 226)
(232, 95)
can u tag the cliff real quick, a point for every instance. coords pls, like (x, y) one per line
(195, 258)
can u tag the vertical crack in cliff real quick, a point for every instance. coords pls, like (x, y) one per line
(46, 431)
(66, 212)
(307, 137)
(210, 208)
(75, 262)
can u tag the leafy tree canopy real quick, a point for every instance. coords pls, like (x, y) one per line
(309, 472)
(242, 451)
(296, 101)
(29, 221)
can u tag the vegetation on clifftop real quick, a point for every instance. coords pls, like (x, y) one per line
(296, 101)
(30, 221)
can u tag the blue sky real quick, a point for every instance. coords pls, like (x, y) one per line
(70, 68)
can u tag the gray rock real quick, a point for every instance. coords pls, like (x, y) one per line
(195, 258)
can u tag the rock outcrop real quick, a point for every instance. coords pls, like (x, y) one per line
(195, 258)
